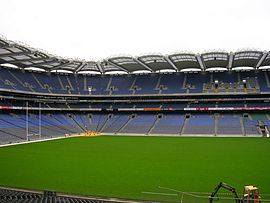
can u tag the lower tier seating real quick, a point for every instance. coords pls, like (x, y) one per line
(13, 125)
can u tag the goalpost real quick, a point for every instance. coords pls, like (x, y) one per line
(28, 134)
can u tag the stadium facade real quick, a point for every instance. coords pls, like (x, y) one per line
(209, 94)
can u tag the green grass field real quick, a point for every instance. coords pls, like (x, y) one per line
(124, 167)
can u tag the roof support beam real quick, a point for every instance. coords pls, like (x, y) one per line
(200, 61)
(139, 61)
(261, 60)
(167, 58)
(83, 64)
(15, 54)
(7, 45)
(100, 67)
(29, 60)
(44, 62)
(60, 66)
(3, 43)
(231, 57)
(116, 65)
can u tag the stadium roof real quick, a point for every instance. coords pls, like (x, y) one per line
(25, 57)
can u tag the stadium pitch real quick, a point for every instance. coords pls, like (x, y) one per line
(130, 167)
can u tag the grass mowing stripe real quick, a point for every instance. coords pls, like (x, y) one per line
(127, 166)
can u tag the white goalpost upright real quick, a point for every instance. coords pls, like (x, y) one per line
(28, 134)
(27, 127)
(39, 122)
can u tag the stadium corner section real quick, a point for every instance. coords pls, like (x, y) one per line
(86, 134)
(41, 140)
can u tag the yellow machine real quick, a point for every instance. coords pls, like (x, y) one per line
(250, 193)
(91, 133)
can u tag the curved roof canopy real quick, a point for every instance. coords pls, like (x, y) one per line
(25, 57)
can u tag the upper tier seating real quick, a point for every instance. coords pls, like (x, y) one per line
(145, 84)
(122, 84)
(170, 83)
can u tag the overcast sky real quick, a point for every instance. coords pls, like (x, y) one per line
(97, 29)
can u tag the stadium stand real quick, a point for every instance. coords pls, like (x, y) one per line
(14, 196)
(140, 124)
(168, 124)
(64, 97)
(197, 124)
(178, 83)
(12, 126)
(229, 124)
(115, 123)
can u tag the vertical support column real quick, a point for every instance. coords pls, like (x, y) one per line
(184, 81)
(39, 123)
(231, 58)
(200, 61)
(242, 125)
(261, 60)
(27, 127)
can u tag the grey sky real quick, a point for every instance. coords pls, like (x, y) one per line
(96, 29)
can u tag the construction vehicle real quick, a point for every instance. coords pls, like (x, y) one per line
(250, 193)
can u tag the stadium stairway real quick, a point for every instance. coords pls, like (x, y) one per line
(81, 128)
(101, 122)
(64, 124)
(183, 127)
(61, 83)
(130, 118)
(37, 81)
(83, 119)
(139, 125)
(109, 117)
(115, 124)
(95, 121)
(168, 124)
(158, 118)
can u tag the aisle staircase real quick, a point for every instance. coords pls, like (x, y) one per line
(158, 118)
